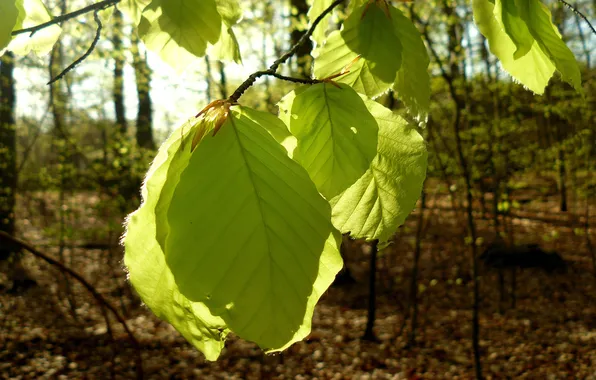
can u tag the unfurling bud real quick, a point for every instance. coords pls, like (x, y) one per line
(211, 118)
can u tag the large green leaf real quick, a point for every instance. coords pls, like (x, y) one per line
(412, 84)
(145, 258)
(336, 136)
(533, 70)
(380, 201)
(32, 13)
(180, 30)
(370, 35)
(8, 19)
(249, 235)
(539, 21)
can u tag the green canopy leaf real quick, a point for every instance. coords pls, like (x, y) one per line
(8, 19)
(180, 30)
(32, 13)
(379, 202)
(370, 33)
(145, 260)
(533, 70)
(133, 9)
(539, 21)
(317, 7)
(412, 84)
(522, 35)
(248, 234)
(336, 135)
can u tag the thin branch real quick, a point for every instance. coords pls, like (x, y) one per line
(87, 53)
(273, 68)
(295, 80)
(99, 6)
(98, 297)
(578, 13)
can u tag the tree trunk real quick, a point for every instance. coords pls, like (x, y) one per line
(144, 133)
(8, 147)
(369, 333)
(118, 91)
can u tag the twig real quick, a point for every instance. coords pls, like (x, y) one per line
(577, 12)
(99, 6)
(273, 68)
(87, 53)
(98, 297)
(295, 80)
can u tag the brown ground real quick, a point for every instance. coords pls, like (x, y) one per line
(550, 335)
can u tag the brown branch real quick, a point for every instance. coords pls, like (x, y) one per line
(273, 68)
(101, 5)
(98, 297)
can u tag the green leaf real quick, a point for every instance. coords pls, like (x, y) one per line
(180, 30)
(229, 11)
(379, 202)
(133, 9)
(8, 19)
(317, 7)
(32, 13)
(370, 35)
(145, 258)
(249, 235)
(539, 21)
(533, 70)
(227, 48)
(336, 136)
(412, 84)
(507, 15)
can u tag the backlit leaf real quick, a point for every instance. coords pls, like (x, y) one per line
(32, 13)
(249, 235)
(8, 19)
(379, 202)
(336, 136)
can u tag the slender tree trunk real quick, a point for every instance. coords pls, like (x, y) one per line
(118, 91)
(223, 81)
(144, 132)
(208, 79)
(8, 152)
(369, 333)
(414, 279)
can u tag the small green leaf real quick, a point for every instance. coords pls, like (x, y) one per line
(145, 258)
(133, 9)
(539, 21)
(180, 30)
(8, 19)
(316, 9)
(412, 84)
(379, 202)
(336, 136)
(227, 48)
(249, 235)
(533, 70)
(230, 11)
(370, 35)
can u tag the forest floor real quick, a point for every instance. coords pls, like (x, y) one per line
(54, 329)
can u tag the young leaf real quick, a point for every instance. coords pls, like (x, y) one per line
(533, 70)
(32, 13)
(412, 84)
(380, 201)
(249, 235)
(180, 30)
(133, 9)
(367, 32)
(146, 263)
(318, 6)
(8, 19)
(336, 136)
(507, 15)
(539, 21)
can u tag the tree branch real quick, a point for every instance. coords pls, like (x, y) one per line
(86, 54)
(68, 16)
(98, 297)
(273, 68)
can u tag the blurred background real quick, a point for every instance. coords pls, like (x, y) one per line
(73, 155)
